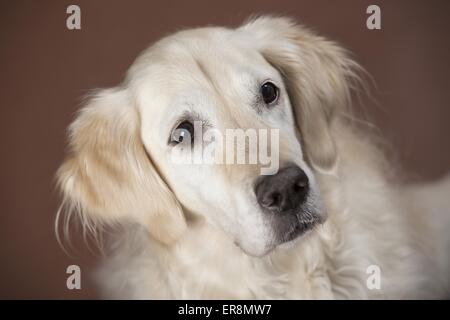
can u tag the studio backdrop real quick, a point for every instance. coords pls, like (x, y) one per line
(47, 67)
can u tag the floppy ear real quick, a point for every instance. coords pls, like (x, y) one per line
(318, 76)
(108, 177)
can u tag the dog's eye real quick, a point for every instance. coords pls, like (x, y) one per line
(269, 92)
(184, 133)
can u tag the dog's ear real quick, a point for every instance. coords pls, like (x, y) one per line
(318, 75)
(108, 176)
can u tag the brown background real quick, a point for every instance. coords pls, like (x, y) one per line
(45, 69)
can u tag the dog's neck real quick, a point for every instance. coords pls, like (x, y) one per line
(212, 261)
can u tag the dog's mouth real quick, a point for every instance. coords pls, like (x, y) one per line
(298, 230)
(287, 229)
(300, 226)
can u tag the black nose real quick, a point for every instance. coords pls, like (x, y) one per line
(283, 191)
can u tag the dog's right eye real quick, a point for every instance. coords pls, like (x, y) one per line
(183, 133)
(269, 93)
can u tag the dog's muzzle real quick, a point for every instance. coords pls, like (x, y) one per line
(283, 196)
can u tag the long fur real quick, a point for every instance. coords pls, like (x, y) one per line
(109, 178)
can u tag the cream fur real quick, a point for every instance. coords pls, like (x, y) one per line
(170, 248)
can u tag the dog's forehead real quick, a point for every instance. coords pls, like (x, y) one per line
(218, 58)
(202, 64)
(213, 54)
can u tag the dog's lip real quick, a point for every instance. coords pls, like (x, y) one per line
(300, 228)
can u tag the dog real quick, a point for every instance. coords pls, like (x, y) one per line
(332, 222)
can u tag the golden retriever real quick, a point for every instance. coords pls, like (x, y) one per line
(329, 222)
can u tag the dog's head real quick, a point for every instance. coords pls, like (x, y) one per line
(270, 77)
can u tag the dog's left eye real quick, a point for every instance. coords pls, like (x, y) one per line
(183, 133)
(269, 92)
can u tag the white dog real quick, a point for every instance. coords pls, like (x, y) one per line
(330, 223)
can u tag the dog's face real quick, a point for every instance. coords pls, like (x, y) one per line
(267, 76)
(219, 81)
